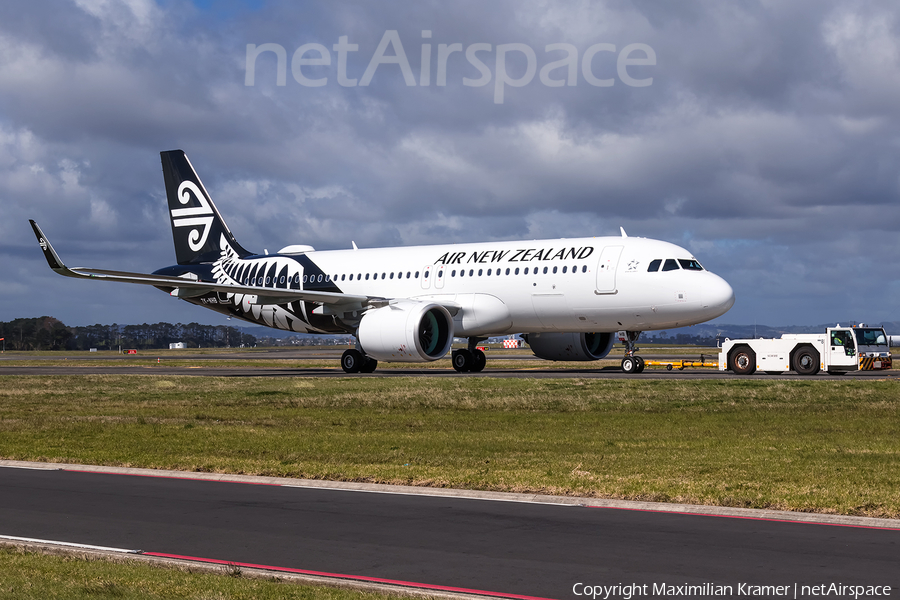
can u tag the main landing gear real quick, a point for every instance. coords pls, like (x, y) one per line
(631, 363)
(354, 361)
(469, 360)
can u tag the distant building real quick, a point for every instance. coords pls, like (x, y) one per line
(177, 346)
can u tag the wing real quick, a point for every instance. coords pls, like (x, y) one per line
(190, 288)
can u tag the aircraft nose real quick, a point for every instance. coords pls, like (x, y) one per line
(718, 296)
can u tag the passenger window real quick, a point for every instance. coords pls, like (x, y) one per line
(554, 270)
(367, 276)
(462, 273)
(689, 264)
(489, 272)
(670, 265)
(507, 270)
(408, 274)
(453, 273)
(517, 270)
(564, 269)
(654, 265)
(426, 274)
(584, 269)
(545, 270)
(526, 270)
(471, 272)
(480, 272)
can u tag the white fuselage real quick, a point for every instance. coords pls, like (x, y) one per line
(570, 285)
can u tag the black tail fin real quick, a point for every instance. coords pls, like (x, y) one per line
(197, 226)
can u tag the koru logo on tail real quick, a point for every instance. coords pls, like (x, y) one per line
(190, 217)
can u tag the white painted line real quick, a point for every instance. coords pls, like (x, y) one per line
(68, 544)
(426, 493)
(31, 468)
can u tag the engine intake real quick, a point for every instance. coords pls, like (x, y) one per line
(406, 331)
(571, 346)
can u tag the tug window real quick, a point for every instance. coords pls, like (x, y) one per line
(654, 265)
(670, 265)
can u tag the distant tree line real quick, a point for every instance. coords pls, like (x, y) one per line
(47, 333)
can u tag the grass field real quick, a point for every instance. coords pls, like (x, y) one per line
(31, 576)
(824, 446)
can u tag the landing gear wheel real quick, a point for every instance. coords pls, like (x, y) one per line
(462, 361)
(743, 361)
(806, 361)
(479, 360)
(352, 361)
(629, 365)
(369, 366)
(640, 364)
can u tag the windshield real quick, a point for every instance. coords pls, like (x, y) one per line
(870, 337)
(690, 264)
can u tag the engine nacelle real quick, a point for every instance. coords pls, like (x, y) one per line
(571, 346)
(406, 331)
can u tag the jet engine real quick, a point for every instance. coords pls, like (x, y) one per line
(406, 331)
(571, 346)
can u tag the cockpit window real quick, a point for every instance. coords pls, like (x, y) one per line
(689, 264)
(654, 266)
(670, 265)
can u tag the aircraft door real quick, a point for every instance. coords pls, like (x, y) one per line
(606, 269)
(439, 277)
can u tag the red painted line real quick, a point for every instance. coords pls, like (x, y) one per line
(410, 584)
(746, 518)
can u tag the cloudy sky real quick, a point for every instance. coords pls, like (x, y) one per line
(762, 135)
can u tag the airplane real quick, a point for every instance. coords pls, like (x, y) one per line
(572, 297)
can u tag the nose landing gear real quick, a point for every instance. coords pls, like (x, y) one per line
(631, 363)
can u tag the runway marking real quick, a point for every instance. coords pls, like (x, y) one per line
(425, 493)
(409, 584)
(747, 518)
(68, 544)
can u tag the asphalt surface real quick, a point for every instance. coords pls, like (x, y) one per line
(327, 364)
(511, 549)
